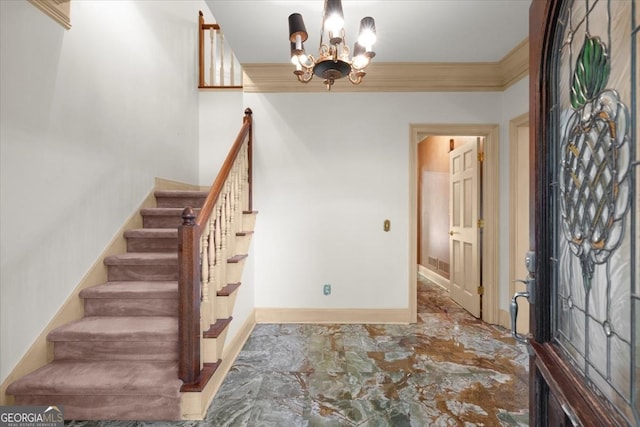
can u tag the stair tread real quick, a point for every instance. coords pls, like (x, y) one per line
(125, 328)
(228, 290)
(237, 258)
(208, 369)
(180, 193)
(152, 232)
(165, 211)
(101, 378)
(132, 290)
(142, 258)
(217, 328)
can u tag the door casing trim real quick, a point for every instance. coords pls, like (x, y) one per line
(514, 124)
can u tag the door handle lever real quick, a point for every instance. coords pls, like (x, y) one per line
(514, 316)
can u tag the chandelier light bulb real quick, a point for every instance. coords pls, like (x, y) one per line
(334, 24)
(360, 59)
(367, 35)
(298, 42)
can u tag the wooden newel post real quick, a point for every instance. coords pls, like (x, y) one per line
(248, 117)
(189, 298)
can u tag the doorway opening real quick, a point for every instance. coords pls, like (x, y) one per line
(490, 191)
(450, 216)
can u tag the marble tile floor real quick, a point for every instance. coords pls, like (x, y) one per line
(449, 369)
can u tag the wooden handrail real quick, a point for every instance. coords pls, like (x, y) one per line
(218, 183)
(189, 261)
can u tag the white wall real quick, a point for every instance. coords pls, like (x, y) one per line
(221, 115)
(329, 169)
(88, 118)
(515, 102)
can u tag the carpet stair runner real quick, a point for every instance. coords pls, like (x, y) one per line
(120, 361)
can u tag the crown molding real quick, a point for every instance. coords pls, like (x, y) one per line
(515, 65)
(59, 10)
(402, 76)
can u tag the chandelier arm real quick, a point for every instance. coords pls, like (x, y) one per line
(356, 77)
(311, 62)
(304, 76)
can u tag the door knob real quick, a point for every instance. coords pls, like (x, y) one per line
(451, 233)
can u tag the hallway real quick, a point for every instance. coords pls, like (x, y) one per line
(449, 369)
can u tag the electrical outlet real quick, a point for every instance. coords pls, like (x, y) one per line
(326, 289)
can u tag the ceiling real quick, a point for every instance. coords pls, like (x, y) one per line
(408, 31)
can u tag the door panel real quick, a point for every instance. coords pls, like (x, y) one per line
(583, 114)
(464, 233)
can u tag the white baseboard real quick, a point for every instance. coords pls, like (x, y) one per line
(505, 319)
(434, 277)
(336, 315)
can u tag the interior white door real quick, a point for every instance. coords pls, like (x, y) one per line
(464, 232)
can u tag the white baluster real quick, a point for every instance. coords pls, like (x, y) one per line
(212, 254)
(232, 210)
(232, 71)
(204, 262)
(220, 282)
(238, 200)
(212, 60)
(221, 82)
(228, 214)
(223, 234)
(204, 279)
(245, 178)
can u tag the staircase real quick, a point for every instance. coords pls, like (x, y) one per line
(151, 338)
(120, 361)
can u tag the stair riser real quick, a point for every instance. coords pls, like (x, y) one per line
(179, 202)
(212, 348)
(130, 307)
(224, 305)
(162, 221)
(151, 244)
(142, 272)
(242, 244)
(109, 407)
(116, 350)
(249, 222)
(234, 272)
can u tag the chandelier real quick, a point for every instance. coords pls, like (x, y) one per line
(334, 60)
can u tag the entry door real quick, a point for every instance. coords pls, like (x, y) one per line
(585, 316)
(464, 197)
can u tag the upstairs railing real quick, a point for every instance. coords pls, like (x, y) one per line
(218, 66)
(205, 243)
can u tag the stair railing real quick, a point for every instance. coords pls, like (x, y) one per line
(217, 69)
(205, 243)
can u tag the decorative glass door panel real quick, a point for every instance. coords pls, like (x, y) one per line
(596, 265)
